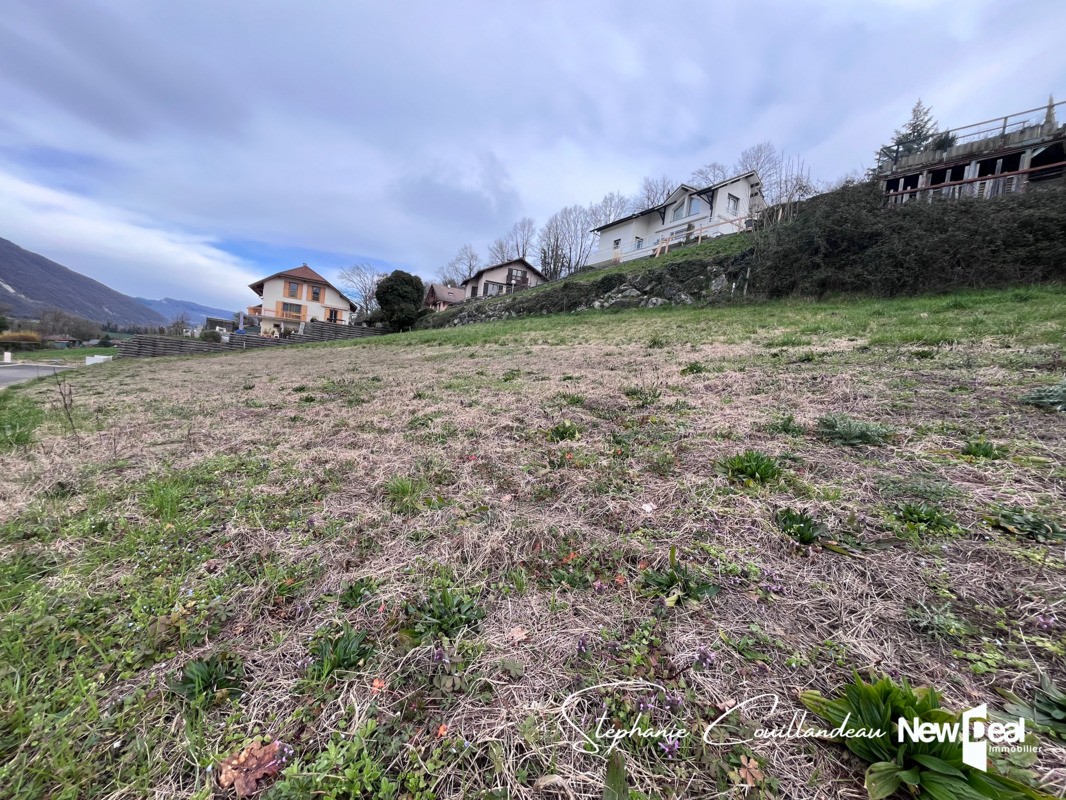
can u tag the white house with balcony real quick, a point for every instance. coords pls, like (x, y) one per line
(298, 295)
(689, 214)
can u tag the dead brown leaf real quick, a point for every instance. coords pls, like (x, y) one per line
(256, 762)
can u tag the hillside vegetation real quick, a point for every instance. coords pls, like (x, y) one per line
(842, 242)
(379, 570)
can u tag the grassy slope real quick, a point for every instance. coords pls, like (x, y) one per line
(230, 504)
(722, 246)
(1031, 315)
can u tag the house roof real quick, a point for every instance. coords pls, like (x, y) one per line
(684, 187)
(447, 294)
(301, 273)
(521, 261)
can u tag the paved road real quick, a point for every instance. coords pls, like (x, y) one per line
(17, 373)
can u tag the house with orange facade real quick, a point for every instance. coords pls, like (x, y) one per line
(299, 295)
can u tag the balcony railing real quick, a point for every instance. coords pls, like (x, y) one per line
(986, 186)
(666, 239)
(1036, 122)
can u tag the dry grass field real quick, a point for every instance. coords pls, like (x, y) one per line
(399, 558)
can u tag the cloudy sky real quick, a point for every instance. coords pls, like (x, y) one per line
(184, 149)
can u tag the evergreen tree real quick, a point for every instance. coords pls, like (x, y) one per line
(399, 297)
(920, 133)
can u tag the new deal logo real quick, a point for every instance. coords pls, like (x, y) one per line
(973, 731)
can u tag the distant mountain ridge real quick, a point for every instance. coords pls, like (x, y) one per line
(171, 309)
(31, 283)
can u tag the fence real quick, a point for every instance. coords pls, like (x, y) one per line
(145, 346)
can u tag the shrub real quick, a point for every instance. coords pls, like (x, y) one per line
(1026, 524)
(399, 296)
(443, 613)
(564, 431)
(982, 448)
(939, 621)
(694, 368)
(1052, 398)
(751, 467)
(929, 770)
(210, 336)
(845, 430)
(786, 424)
(923, 518)
(405, 494)
(357, 593)
(26, 340)
(800, 526)
(206, 681)
(643, 396)
(1047, 710)
(847, 240)
(338, 649)
(677, 584)
(344, 770)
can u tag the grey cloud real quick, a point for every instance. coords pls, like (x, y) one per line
(401, 131)
(482, 202)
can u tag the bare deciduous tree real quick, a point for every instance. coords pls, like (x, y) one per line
(178, 325)
(464, 265)
(792, 184)
(653, 192)
(763, 158)
(709, 174)
(518, 243)
(613, 206)
(361, 280)
(57, 322)
(522, 236)
(565, 242)
(498, 251)
(551, 252)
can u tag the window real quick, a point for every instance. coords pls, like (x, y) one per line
(679, 212)
(617, 244)
(640, 243)
(695, 205)
(516, 276)
(294, 309)
(292, 289)
(333, 315)
(316, 294)
(732, 205)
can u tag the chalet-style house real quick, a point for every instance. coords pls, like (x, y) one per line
(689, 213)
(439, 296)
(1006, 155)
(505, 278)
(298, 295)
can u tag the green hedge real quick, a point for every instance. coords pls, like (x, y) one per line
(849, 241)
